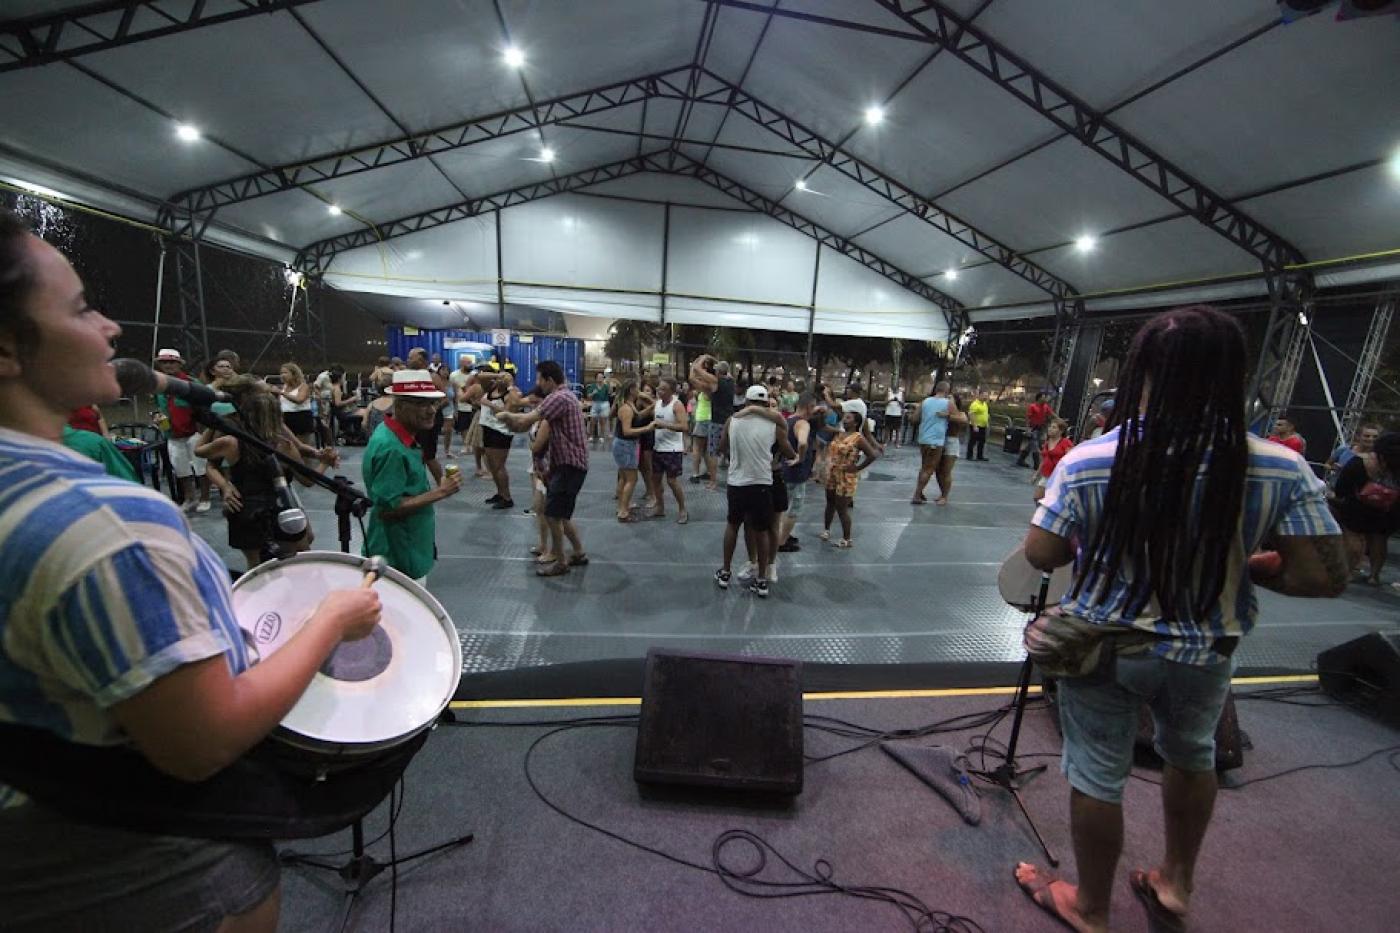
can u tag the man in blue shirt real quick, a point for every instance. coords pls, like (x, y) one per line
(933, 432)
(1182, 579)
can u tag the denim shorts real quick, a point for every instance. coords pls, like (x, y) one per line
(1100, 720)
(625, 452)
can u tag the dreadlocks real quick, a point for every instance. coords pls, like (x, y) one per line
(1188, 365)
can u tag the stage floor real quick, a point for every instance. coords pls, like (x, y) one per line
(918, 587)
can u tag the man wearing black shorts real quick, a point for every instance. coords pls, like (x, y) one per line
(568, 461)
(428, 439)
(749, 442)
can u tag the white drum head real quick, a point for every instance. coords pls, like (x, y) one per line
(416, 648)
(1019, 582)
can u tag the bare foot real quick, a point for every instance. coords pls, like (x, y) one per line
(941, 500)
(1055, 897)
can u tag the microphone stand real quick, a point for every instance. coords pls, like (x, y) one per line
(348, 500)
(1007, 775)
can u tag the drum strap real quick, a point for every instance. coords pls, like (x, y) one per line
(250, 799)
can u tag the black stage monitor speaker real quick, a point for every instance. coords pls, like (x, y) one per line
(721, 721)
(1014, 438)
(1365, 672)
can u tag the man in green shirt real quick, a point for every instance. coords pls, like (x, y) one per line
(977, 413)
(598, 395)
(401, 524)
(96, 447)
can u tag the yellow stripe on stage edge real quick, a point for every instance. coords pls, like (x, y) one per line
(852, 695)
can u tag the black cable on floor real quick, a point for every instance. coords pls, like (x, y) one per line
(393, 863)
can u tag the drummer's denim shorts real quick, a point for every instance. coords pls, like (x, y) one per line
(1100, 720)
(59, 874)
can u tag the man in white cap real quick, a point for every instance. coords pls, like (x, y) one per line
(401, 524)
(749, 442)
(181, 435)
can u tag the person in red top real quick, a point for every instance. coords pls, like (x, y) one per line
(88, 418)
(182, 435)
(1038, 414)
(1287, 435)
(1051, 453)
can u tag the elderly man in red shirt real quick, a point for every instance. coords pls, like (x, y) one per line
(568, 461)
(1038, 415)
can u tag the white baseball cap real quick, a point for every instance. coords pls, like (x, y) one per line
(756, 393)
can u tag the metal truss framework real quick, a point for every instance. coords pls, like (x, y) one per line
(737, 99)
(95, 27)
(1068, 315)
(671, 83)
(316, 257)
(1367, 364)
(1285, 339)
(974, 47)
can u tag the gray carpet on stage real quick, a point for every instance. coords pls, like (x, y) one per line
(1312, 850)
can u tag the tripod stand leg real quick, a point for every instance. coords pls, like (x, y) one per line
(1049, 856)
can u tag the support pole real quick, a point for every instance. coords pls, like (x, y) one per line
(500, 278)
(812, 308)
(665, 256)
(1285, 340)
(160, 291)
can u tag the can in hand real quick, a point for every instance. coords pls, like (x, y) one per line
(451, 469)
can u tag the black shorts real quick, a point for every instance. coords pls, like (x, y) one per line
(562, 490)
(492, 439)
(780, 493)
(300, 423)
(428, 440)
(751, 505)
(891, 422)
(462, 422)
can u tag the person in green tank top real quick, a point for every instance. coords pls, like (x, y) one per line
(96, 447)
(700, 436)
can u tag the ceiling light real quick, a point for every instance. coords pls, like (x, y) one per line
(1303, 318)
(335, 210)
(1086, 243)
(546, 154)
(951, 275)
(874, 114)
(801, 184)
(187, 133)
(514, 57)
(1395, 165)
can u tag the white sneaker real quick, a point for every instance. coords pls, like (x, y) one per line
(773, 572)
(203, 506)
(747, 575)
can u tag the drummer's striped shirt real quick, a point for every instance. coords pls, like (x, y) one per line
(103, 589)
(1281, 496)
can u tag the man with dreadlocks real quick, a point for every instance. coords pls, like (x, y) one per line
(1159, 515)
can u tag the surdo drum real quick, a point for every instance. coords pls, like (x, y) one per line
(1019, 582)
(370, 695)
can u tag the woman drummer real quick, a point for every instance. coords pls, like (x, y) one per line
(127, 637)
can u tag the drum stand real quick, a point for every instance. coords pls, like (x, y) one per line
(1007, 775)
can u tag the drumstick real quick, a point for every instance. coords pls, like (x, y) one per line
(374, 568)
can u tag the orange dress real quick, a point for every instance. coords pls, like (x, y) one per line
(844, 452)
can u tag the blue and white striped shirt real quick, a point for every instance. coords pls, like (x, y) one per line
(103, 589)
(1281, 496)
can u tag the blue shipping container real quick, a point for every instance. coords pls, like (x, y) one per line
(525, 351)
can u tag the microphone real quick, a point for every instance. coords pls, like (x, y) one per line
(135, 377)
(291, 518)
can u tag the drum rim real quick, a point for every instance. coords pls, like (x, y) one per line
(309, 743)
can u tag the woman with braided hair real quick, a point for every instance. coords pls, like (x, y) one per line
(1160, 514)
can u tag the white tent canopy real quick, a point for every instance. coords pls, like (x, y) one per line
(393, 148)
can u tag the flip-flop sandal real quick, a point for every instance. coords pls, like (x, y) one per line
(683, 518)
(918, 502)
(627, 519)
(1041, 895)
(1161, 916)
(578, 560)
(844, 544)
(825, 536)
(535, 549)
(545, 559)
(552, 570)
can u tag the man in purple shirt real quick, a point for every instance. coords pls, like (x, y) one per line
(568, 461)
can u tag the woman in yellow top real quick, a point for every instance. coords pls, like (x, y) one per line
(977, 416)
(842, 470)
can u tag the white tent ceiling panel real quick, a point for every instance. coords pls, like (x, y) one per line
(456, 259)
(1103, 52)
(805, 70)
(917, 247)
(840, 204)
(60, 115)
(857, 324)
(1354, 213)
(735, 37)
(849, 292)
(571, 240)
(627, 119)
(770, 176)
(683, 310)
(1345, 77)
(26, 8)
(572, 46)
(1059, 193)
(948, 124)
(386, 194)
(291, 217)
(654, 186)
(702, 123)
(512, 161)
(576, 150)
(632, 307)
(292, 101)
(987, 284)
(431, 62)
(725, 255)
(1011, 314)
(1177, 250)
